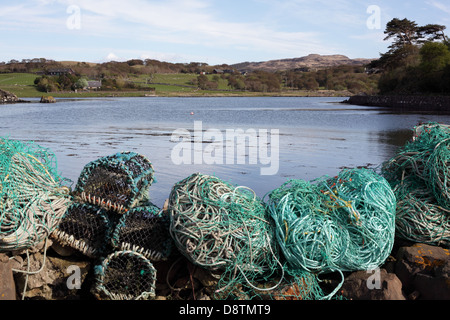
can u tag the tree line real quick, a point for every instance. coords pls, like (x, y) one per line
(70, 82)
(354, 79)
(418, 60)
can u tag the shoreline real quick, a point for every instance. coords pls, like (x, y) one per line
(405, 103)
(130, 94)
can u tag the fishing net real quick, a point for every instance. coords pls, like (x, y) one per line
(33, 198)
(300, 285)
(125, 275)
(86, 228)
(284, 284)
(344, 223)
(218, 226)
(419, 217)
(117, 182)
(144, 230)
(419, 175)
(439, 172)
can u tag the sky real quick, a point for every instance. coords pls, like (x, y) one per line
(210, 31)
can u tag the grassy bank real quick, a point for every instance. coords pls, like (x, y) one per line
(165, 85)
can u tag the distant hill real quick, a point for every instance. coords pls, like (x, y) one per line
(312, 61)
(75, 63)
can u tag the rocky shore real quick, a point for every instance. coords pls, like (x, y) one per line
(414, 271)
(405, 103)
(7, 97)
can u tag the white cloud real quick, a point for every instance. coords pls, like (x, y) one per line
(112, 57)
(27, 17)
(188, 22)
(169, 57)
(195, 29)
(322, 13)
(440, 6)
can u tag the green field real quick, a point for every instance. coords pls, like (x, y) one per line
(176, 80)
(22, 85)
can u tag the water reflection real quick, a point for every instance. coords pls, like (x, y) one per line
(317, 136)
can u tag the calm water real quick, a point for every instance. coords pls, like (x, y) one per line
(317, 136)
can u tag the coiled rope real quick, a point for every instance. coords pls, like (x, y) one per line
(420, 177)
(32, 198)
(345, 223)
(221, 227)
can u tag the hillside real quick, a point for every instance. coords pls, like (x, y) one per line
(312, 61)
(335, 74)
(76, 63)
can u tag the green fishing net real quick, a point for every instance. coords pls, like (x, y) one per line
(222, 227)
(344, 223)
(419, 175)
(227, 230)
(33, 196)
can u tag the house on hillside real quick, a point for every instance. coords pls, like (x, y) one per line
(94, 85)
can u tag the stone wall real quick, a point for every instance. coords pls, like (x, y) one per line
(413, 271)
(400, 103)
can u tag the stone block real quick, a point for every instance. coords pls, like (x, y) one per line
(7, 284)
(425, 271)
(376, 285)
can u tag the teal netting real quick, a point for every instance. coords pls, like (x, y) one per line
(33, 198)
(228, 229)
(420, 176)
(345, 223)
(222, 227)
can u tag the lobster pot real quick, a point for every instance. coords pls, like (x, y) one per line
(117, 182)
(125, 275)
(145, 230)
(85, 228)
